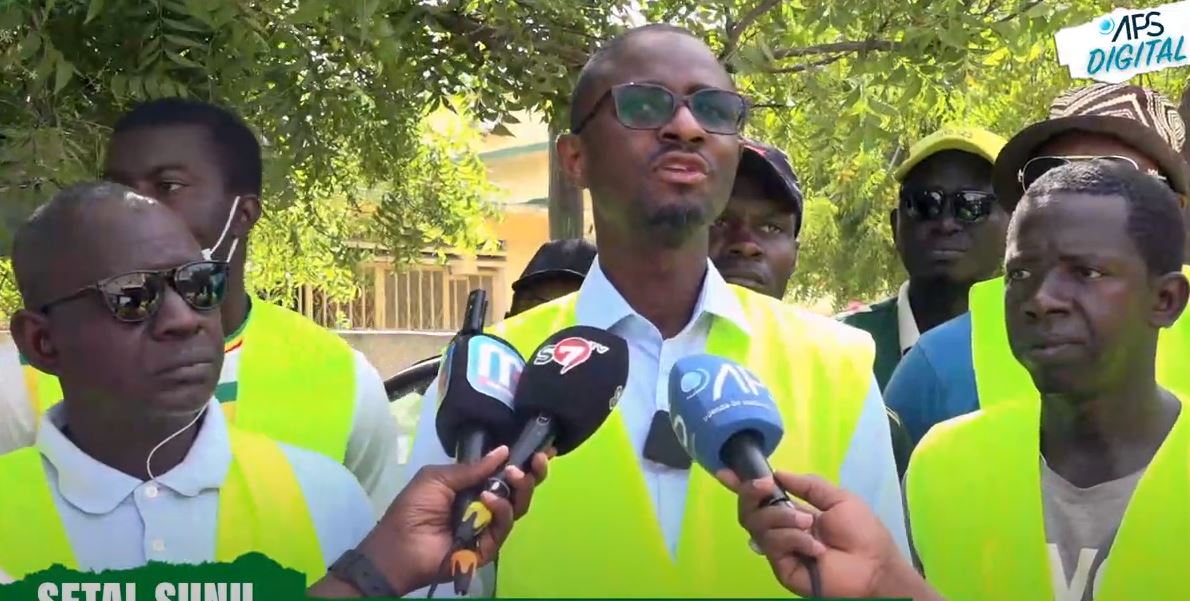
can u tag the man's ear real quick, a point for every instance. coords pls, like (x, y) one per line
(797, 246)
(31, 333)
(571, 155)
(247, 214)
(892, 224)
(1172, 293)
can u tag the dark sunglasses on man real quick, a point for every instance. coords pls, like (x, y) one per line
(651, 106)
(967, 206)
(1038, 166)
(136, 296)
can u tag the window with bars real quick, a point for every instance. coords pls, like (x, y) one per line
(422, 297)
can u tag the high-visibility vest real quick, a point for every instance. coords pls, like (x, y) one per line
(593, 532)
(296, 382)
(975, 508)
(999, 376)
(261, 509)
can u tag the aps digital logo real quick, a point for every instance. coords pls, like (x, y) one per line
(1116, 46)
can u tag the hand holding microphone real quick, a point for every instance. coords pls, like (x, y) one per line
(563, 396)
(854, 551)
(727, 421)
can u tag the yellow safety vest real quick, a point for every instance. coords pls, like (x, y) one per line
(296, 382)
(261, 509)
(593, 531)
(975, 508)
(999, 376)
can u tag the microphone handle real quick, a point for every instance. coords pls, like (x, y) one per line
(538, 435)
(469, 448)
(742, 454)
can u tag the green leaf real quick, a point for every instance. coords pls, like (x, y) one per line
(308, 11)
(119, 85)
(182, 25)
(64, 72)
(30, 45)
(93, 10)
(952, 38)
(182, 61)
(183, 41)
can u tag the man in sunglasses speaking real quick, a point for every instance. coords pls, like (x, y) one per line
(655, 138)
(283, 375)
(137, 462)
(949, 232)
(1126, 124)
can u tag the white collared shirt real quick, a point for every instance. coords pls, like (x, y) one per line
(115, 521)
(906, 322)
(868, 470)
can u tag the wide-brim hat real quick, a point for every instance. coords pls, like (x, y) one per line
(1141, 118)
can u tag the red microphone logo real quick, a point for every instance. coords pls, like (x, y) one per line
(569, 353)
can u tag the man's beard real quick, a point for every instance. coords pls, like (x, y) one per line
(673, 225)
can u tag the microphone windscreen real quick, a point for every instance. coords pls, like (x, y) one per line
(711, 399)
(576, 377)
(476, 384)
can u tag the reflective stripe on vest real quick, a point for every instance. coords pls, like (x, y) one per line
(593, 530)
(261, 509)
(999, 376)
(296, 383)
(974, 495)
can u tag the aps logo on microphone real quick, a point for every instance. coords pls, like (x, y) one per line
(569, 353)
(493, 368)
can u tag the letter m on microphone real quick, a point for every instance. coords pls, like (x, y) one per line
(493, 369)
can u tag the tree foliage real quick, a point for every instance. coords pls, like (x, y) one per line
(339, 90)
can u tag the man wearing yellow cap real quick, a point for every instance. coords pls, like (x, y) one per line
(949, 231)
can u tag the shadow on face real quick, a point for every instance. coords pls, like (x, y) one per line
(752, 242)
(165, 366)
(663, 184)
(1079, 299)
(948, 247)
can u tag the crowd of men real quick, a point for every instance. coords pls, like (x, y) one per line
(977, 436)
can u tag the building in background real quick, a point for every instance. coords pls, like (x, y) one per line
(406, 312)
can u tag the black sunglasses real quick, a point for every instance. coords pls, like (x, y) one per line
(1036, 167)
(967, 206)
(136, 296)
(650, 106)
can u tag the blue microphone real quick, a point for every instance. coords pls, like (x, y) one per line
(725, 417)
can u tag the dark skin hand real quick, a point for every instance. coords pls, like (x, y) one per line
(652, 226)
(177, 165)
(409, 542)
(945, 257)
(856, 555)
(752, 243)
(1083, 315)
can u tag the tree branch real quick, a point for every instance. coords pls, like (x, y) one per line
(835, 47)
(809, 65)
(1028, 5)
(739, 27)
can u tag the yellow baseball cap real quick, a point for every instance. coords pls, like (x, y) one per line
(979, 142)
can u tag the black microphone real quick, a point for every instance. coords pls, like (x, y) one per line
(476, 381)
(564, 395)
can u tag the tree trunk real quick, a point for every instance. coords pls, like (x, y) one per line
(566, 199)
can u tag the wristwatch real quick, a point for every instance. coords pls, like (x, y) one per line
(355, 567)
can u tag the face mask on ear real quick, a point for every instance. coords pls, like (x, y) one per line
(209, 253)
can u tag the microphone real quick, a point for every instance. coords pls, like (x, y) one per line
(564, 395)
(725, 418)
(476, 380)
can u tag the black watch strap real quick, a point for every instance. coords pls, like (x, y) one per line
(355, 567)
